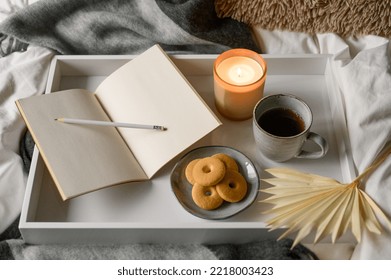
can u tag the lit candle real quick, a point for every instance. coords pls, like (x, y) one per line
(239, 78)
(239, 70)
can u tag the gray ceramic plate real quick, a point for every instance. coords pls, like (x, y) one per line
(182, 188)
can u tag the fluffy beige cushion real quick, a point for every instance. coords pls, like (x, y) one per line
(344, 17)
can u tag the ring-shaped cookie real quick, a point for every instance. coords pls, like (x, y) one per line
(189, 171)
(229, 162)
(206, 197)
(233, 187)
(208, 171)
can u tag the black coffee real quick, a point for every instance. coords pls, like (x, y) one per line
(281, 122)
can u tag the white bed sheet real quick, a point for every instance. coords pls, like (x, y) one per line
(361, 66)
(21, 75)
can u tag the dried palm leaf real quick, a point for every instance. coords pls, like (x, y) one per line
(303, 202)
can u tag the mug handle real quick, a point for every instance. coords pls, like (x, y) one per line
(320, 141)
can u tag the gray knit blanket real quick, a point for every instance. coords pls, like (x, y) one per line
(128, 27)
(123, 27)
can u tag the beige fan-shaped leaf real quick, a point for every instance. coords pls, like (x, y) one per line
(303, 202)
(333, 224)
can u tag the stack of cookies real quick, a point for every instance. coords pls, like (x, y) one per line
(215, 179)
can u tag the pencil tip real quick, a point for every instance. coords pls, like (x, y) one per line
(159, 127)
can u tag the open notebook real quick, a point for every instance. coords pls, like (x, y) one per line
(147, 90)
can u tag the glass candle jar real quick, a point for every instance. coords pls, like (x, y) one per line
(239, 79)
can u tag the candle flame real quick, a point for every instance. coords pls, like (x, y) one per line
(239, 71)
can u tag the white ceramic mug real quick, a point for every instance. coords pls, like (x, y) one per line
(281, 126)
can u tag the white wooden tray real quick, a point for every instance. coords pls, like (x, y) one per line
(149, 211)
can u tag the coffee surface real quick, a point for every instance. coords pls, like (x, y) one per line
(281, 122)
